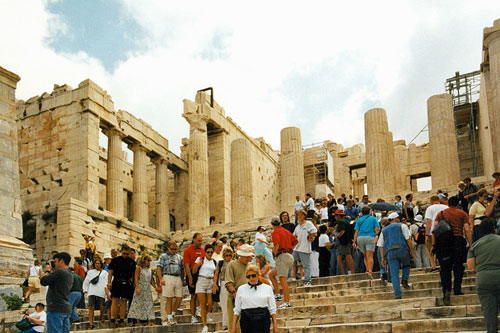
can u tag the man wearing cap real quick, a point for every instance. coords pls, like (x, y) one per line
(236, 277)
(394, 243)
(284, 242)
(417, 231)
(345, 238)
(305, 232)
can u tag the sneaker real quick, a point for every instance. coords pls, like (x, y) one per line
(209, 319)
(284, 305)
(198, 311)
(292, 279)
(278, 297)
(205, 329)
(171, 320)
(194, 320)
(164, 323)
(307, 284)
(398, 297)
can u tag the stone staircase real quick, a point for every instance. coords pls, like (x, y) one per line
(352, 303)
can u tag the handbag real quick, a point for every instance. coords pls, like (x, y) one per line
(23, 324)
(442, 228)
(96, 279)
(25, 283)
(216, 295)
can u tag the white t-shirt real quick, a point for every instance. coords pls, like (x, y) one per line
(98, 288)
(431, 213)
(40, 316)
(301, 232)
(35, 271)
(404, 229)
(250, 298)
(310, 204)
(207, 269)
(340, 207)
(324, 213)
(323, 239)
(260, 236)
(299, 205)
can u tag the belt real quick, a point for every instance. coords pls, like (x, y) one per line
(206, 277)
(174, 274)
(281, 251)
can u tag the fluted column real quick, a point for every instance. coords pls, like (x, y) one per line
(292, 168)
(379, 154)
(199, 213)
(161, 195)
(114, 184)
(139, 183)
(241, 181)
(445, 169)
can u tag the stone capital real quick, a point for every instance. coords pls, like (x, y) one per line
(137, 146)
(159, 160)
(112, 132)
(9, 78)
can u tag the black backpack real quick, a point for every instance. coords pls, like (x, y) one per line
(420, 236)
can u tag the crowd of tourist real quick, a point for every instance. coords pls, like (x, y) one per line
(329, 237)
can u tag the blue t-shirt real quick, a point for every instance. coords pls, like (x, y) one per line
(366, 226)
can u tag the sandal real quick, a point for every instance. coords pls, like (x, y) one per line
(370, 275)
(91, 326)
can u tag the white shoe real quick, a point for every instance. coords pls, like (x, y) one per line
(284, 305)
(194, 320)
(171, 320)
(164, 323)
(209, 319)
(205, 329)
(277, 297)
(198, 311)
(292, 279)
(307, 284)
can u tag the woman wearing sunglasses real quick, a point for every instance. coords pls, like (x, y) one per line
(255, 305)
(206, 268)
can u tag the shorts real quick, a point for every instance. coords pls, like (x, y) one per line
(108, 304)
(283, 264)
(172, 287)
(192, 290)
(122, 289)
(96, 301)
(366, 243)
(204, 285)
(344, 250)
(34, 281)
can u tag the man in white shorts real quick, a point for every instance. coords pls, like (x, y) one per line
(170, 271)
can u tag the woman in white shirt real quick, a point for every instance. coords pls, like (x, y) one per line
(255, 305)
(206, 268)
(34, 275)
(260, 245)
(97, 292)
(324, 251)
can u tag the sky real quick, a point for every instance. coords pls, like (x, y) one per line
(316, 65)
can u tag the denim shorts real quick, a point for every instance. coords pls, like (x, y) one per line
(366, 243)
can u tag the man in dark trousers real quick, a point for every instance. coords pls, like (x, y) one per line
(59, 282)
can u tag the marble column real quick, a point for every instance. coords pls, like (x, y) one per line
(445, 169)
(161, 195)
(379, 154)
(114, 183)
(198, 188)
(140, 186)
(241, 181)
(292, 168)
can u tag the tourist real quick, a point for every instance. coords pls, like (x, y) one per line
(254, 305)
(398, 204)
(396, 248)
(90, 248)
(107, 260)
(345, 238)
(324, 211)
(430, 217)
(50, 267)
(286, 223)
(305, 233)
(408, 206)
(451, 250)
(417, 231)
(34, 274)
(367, 227)
(36, 319)
(114, 253)
(283, 242)
(217, 256)
(324, 245)
(299, 205)
(235, 277)
(464, 203)
(364, 202)
(443, 199)
(204, 267)
(309, 206)
(142, 308)
(170, 270)
(331, 200)
(477, 212)
(470, 192)
(215, 237)
(78, 268)
(120, 281)
(241, 241)
(85, 262)
(350, 210)
(314, 256)
(191, 254)
(59, 282)
(96, 290)
(340, 203)
(265, 269)
(483, 257)
(219, 282)
(132, 254)
(261, 245)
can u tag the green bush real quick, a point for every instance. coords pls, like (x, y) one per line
(14, 302)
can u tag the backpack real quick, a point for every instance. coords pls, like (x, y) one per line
(420, 236)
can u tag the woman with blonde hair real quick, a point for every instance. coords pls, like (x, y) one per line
(34, 275)
(142, 308)
(263, 264)
(254, 304)
(219, 282)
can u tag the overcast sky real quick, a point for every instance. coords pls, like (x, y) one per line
(317, 65)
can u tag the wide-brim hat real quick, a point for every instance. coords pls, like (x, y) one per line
(107, 256)
(419, 218)
(245, 251)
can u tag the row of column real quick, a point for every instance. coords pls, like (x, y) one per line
(114, 189)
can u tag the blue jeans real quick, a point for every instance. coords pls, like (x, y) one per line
(57, 322)
(304, 259)
(74, 298)
(395, 259)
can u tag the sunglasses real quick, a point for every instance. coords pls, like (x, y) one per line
(251, 276)
(209, 252)
(172, 249)
(228, 255)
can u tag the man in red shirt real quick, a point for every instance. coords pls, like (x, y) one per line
(452, 252)
(190, 255)
(284, 242)
(77, 266)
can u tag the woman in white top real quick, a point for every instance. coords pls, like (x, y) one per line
(34, 275)
(477, 213)
(97, 292)
(260, 245)
(206, 268)
(324, 245)
(255, 305)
